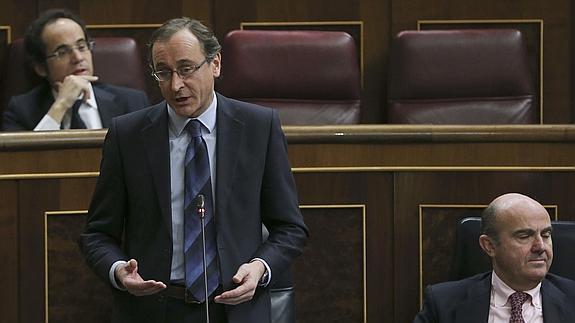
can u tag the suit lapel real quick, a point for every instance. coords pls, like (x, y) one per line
(155, 139)
(553, 299)
(107, 107)
(229, 138)
(45, 99)
(475, 308)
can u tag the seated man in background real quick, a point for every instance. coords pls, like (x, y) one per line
(60, 51)
(516, 234)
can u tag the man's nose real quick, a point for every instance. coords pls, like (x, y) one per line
(176, 82)
(538, 243)
(76, 55)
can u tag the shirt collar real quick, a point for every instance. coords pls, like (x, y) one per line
(177, 123)
(92, 100)
(501, 292)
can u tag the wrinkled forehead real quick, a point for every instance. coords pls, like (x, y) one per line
(62, 31)
(181, 46)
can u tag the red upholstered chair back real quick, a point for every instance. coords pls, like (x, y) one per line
(461, 77)
(117, 61)
(310, 77)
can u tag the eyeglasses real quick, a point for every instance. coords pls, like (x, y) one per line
(65, 50)
(183, 72)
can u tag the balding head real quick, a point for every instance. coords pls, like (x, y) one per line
(506, 204)
(517, 237)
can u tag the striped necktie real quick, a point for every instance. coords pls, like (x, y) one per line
(198, 181)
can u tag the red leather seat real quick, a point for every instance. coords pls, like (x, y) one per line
(310, 77)
(461, 77)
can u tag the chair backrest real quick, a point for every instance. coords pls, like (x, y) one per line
(282, 293)
(461, 77)
(470, 258)
(310, 77)
(117, 61)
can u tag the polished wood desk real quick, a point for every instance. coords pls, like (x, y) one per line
(381, 201)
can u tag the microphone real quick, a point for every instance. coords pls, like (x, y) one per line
(200, 207)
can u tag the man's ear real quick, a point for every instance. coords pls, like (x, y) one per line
(487, 244)
(216, 65)
(40, 69)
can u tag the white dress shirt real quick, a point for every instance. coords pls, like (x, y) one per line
(500, 307)
(179, 140)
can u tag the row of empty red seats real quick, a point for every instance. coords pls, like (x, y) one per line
(314, 77)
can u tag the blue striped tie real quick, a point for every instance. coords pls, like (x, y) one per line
(197, 181)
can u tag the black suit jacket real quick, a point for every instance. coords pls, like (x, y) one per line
(467, 300)
(130, 213)
(25, 111)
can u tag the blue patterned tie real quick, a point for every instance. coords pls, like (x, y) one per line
(197, 181)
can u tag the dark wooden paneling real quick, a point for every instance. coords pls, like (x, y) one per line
(318, 298)
(5, 34)
(375, 191)
(128, 11)
(391, 170)
(78, 160)
(9, 251)
(438, 236)
(12, 14)
(35, 197)
(75, 293)
(377, 17)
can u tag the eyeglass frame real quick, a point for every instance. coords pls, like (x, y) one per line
(66, 50)
(194, 69)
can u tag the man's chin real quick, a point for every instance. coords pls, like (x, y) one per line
(537, 273)
(184, 110)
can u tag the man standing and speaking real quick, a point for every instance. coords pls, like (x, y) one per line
(142, 234)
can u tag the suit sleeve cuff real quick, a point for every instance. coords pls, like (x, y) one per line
(267, 277)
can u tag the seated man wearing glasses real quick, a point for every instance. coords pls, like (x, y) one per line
(60, 50)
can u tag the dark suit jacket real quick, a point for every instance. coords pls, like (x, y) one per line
(130, 213)
(467, 300)
(25, 111)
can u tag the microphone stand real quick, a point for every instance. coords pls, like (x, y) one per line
(201, 212)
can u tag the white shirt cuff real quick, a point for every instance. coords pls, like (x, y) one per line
(47, 123)
(112, 275)
(268, 270)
